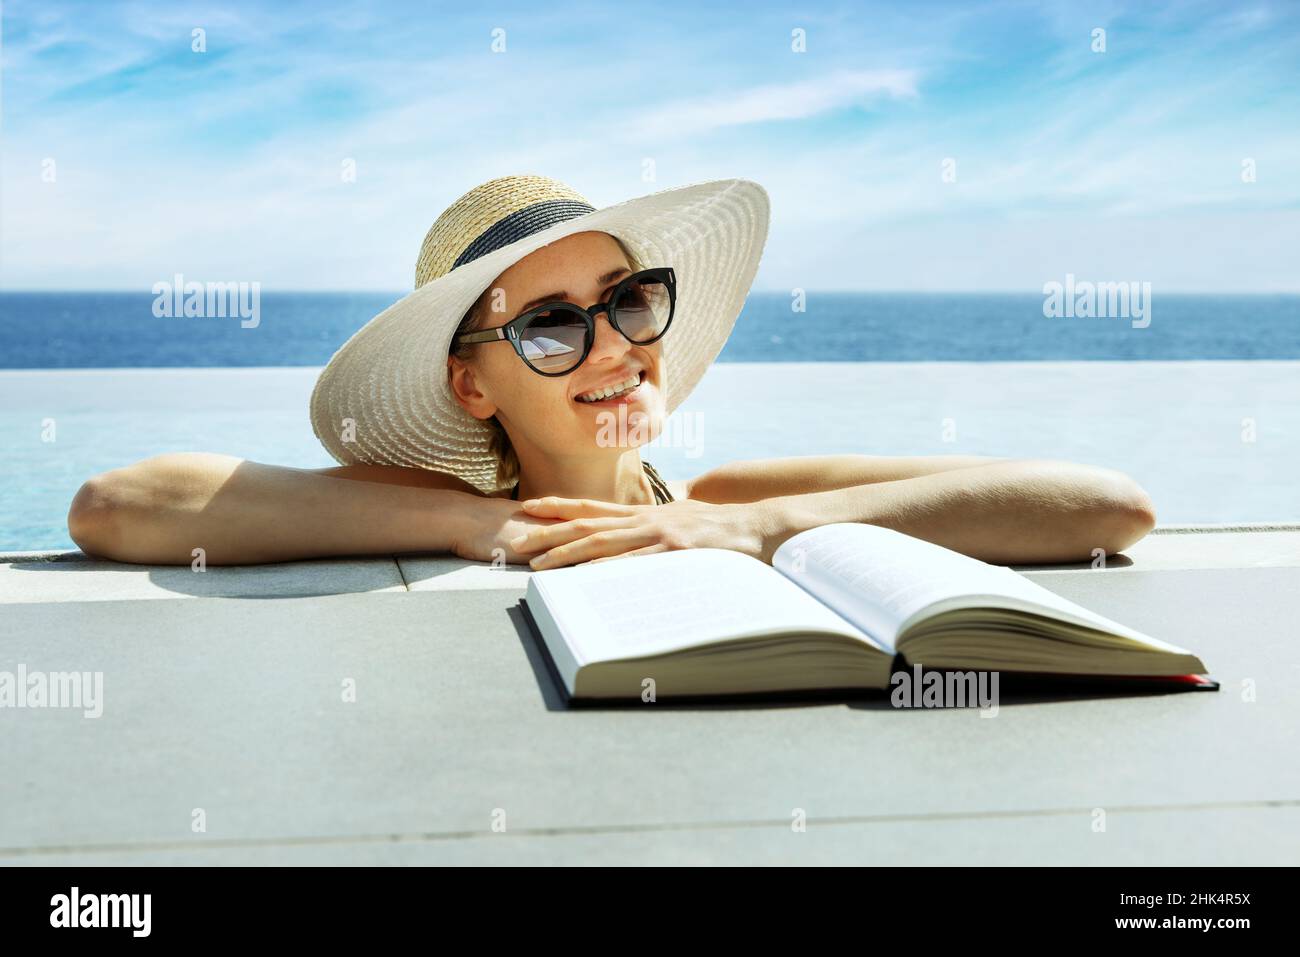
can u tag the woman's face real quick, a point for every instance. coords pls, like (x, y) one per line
(545, 413)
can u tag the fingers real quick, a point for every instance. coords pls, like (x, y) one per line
(542, 537)
(647, 550)
(607, 543)
(552, 506)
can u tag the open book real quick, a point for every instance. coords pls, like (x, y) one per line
(835, 609)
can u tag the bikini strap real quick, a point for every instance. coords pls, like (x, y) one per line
(662, 495)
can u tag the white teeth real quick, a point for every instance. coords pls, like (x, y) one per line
(611, 390)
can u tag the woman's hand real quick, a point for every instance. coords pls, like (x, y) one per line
(586, 530)
(490, 525)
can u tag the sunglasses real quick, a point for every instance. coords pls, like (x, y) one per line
(555, 338)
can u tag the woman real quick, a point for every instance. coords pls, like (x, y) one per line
(498, 412)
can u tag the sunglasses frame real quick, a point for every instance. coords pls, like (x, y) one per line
(514, 329)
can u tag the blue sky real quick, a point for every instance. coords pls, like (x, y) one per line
(225, 165)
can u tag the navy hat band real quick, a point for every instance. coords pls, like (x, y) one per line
(521, 223)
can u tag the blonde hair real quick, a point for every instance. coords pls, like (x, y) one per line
(499, 444)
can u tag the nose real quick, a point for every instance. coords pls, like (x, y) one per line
(609, 343)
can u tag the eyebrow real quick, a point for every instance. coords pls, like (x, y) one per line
(603, 281)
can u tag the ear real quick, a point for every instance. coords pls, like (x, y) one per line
(465, 387)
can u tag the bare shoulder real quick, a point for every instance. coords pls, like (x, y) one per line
(749, 480)
(402, 475)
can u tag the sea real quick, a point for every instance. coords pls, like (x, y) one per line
(40, 330)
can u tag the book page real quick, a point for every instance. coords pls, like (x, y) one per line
(670, 601)
(884, 581)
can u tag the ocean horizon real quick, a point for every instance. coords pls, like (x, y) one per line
(68, 330)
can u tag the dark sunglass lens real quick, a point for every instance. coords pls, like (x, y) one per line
(643, 309)
(554, 341)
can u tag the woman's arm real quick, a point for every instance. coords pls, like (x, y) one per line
(159, 510)
(1004, 511)
(751, 480)
(1007, 512)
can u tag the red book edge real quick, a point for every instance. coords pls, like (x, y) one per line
(1183, 682)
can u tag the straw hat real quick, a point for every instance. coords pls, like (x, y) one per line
(384, 398)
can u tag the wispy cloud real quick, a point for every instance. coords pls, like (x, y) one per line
(777, 101)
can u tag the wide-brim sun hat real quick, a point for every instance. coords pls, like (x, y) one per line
(385, 398)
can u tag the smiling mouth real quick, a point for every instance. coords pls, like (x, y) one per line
(615, 397)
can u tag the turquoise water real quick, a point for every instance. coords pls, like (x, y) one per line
(1177, 427)
(105, 420)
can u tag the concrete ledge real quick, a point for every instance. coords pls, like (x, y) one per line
(45, 556)
(76, 578)
(59, 576)
(1231, 527)
(441, 573)
(1223, 546)
(236, 708)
